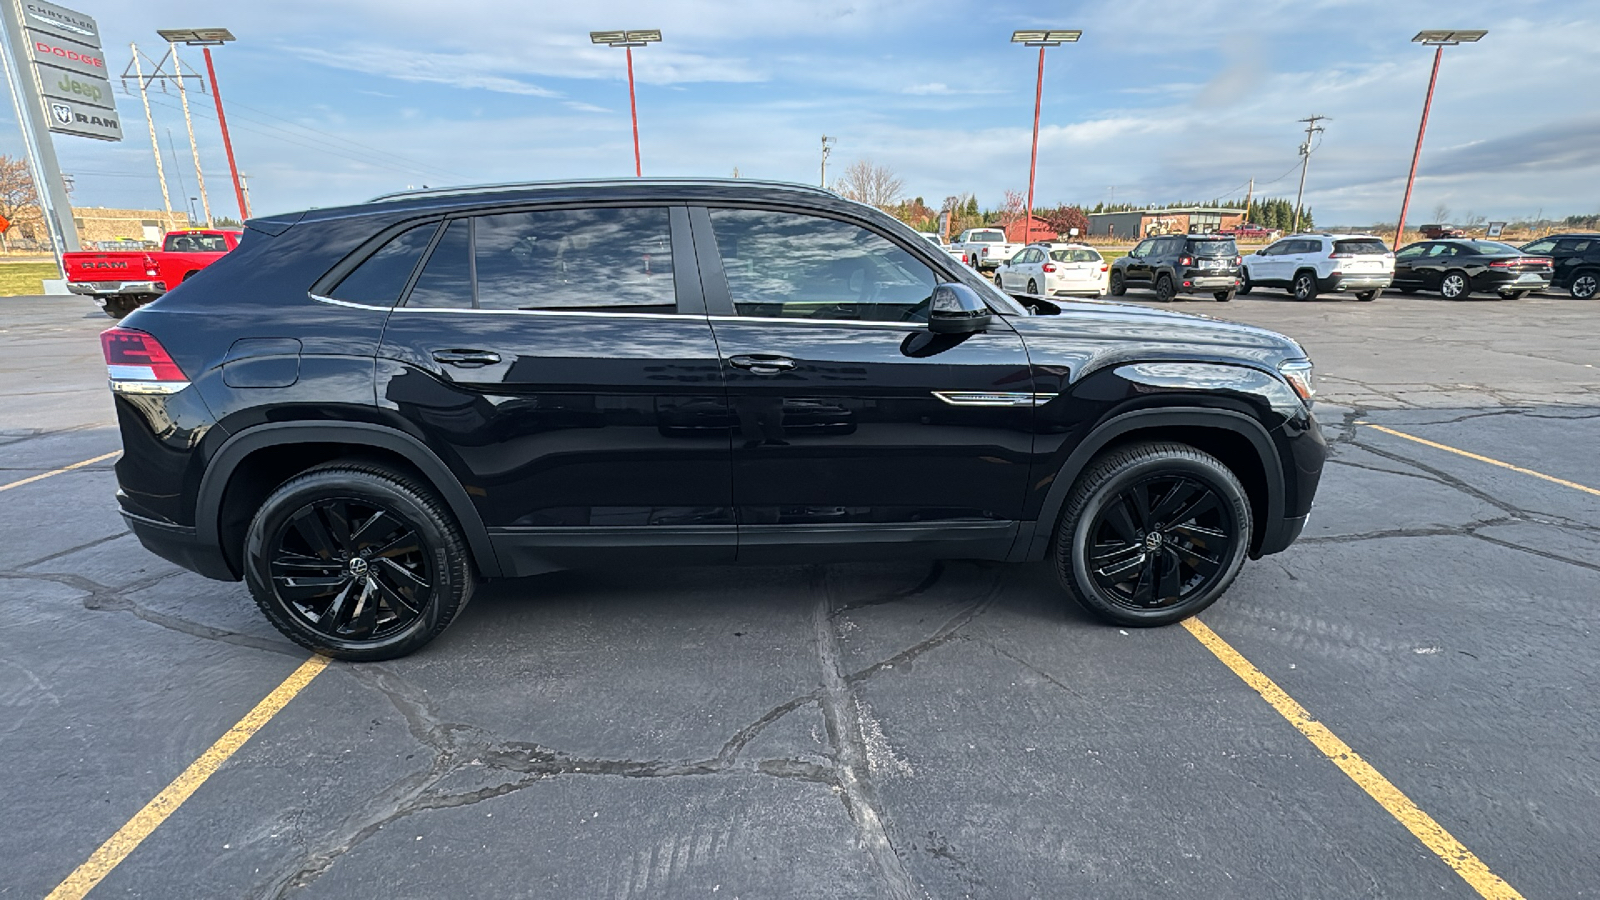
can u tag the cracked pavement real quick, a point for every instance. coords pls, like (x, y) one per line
(866, 730)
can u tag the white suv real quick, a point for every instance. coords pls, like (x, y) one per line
(1054, 270)
(1309, 264)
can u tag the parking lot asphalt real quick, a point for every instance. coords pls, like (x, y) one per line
(865, 730)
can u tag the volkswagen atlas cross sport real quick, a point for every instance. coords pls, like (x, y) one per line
(364, 411)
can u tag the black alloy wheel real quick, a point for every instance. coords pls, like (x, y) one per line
(1152, 534)
(1304, 287)
(1366, 296)
(1585, 285)
(1118, 285)
(1454, 286)
(1164, 289)
(1244, 282)
(357, 562)
(1033, 286)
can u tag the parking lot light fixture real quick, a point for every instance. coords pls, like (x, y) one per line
(628, 40)
(1041, 38)
(1438, 40)
(205, 39)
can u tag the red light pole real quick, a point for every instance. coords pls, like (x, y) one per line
(1438, 40)
(206, 38)
(1040, 39)
(629, 40)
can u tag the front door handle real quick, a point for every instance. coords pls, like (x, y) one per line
(467, 359)
(762, 363)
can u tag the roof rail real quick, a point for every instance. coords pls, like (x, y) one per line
(535, 185)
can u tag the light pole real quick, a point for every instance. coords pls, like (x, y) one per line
(1437, 40)
(1040, 39)
(628, 40)
(827, 147)
(206, 38)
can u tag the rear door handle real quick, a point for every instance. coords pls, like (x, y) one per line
(467, 359)
(762, 363)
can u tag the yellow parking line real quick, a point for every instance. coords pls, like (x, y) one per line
(77, 465)
(147, 820)
(1484, 459)
(1430, 833)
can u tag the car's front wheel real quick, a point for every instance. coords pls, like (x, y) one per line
(999, 281)
(357, 562)
(1152, 533)
(1033, 286)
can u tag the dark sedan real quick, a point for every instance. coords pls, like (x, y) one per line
(1457, 268)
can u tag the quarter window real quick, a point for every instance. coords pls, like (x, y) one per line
(381, 277)
(576, 259)
(446, 280)
(787, 265)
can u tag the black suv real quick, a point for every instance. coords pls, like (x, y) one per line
(363, 411)
(1180, 264)
(1577, 262)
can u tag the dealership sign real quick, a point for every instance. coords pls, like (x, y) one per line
(69, 71)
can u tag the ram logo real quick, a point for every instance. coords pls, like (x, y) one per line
(62, 112)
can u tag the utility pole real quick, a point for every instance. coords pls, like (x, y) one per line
(194, 148)
(183, 189)
(827, 147)
(1312, 129)
(155, 145)
(1249, 194)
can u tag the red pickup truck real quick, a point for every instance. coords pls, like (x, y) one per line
(123, 280)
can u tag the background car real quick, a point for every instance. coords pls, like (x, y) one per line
(1457, 268)
(1309, 264)
(1180, 264)
(1055, 270)
(1576, 259)
(961, 255)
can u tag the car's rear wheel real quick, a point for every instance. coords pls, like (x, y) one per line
(1244, 282)
(1152, 533)
(1585, 285)
(1033, 286)
(357, 562)
(1454, 286)
(1164, 290)
(1118, 286)
(1304, 286)
(1366, 296)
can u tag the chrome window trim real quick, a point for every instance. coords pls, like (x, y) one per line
(913, 326)
(502, 312)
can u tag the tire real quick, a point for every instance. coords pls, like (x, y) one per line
(1164, 289)
(999, 282)
(1455, 286)
(1188, 575)
(1515, 295)
(1408, 291)
(1244, 282)
(1366, 296)
(426, 579)
(1304, 286)
(1585, 285)
(1118, 285)
(1224, 296)
(1033, 286)
(190, 274)
(117, 307)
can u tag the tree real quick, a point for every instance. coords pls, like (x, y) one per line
(1441, 213)
(18, 196)
(867, 182)
(1064, 218)
(1011, 209)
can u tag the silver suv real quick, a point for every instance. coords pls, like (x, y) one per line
(1311, 264)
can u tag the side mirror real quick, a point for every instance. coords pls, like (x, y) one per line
(957, 309)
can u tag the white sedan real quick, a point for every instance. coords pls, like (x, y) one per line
(1055, 270)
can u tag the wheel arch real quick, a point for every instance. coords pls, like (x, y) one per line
(254, 462)
(1240, 442)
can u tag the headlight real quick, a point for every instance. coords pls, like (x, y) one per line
(1301, 376)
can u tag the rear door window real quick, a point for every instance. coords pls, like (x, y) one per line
(381, 278)
(446, 279)
(608, 259)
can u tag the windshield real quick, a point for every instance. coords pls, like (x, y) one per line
(1213, 249)
(196, 243)
(988, 237)
(1076, 254)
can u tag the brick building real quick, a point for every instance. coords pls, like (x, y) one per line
(1141, 223)
(94, 223)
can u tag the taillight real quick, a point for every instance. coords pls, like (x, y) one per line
(1104, 267)
(1238, 260)
(1049, 267)
(138, 364)
(1337, 255)
(1186, 261)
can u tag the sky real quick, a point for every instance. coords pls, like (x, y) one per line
(336, 101)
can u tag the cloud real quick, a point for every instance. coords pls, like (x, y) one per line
(1565, 145)
(932, 87)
